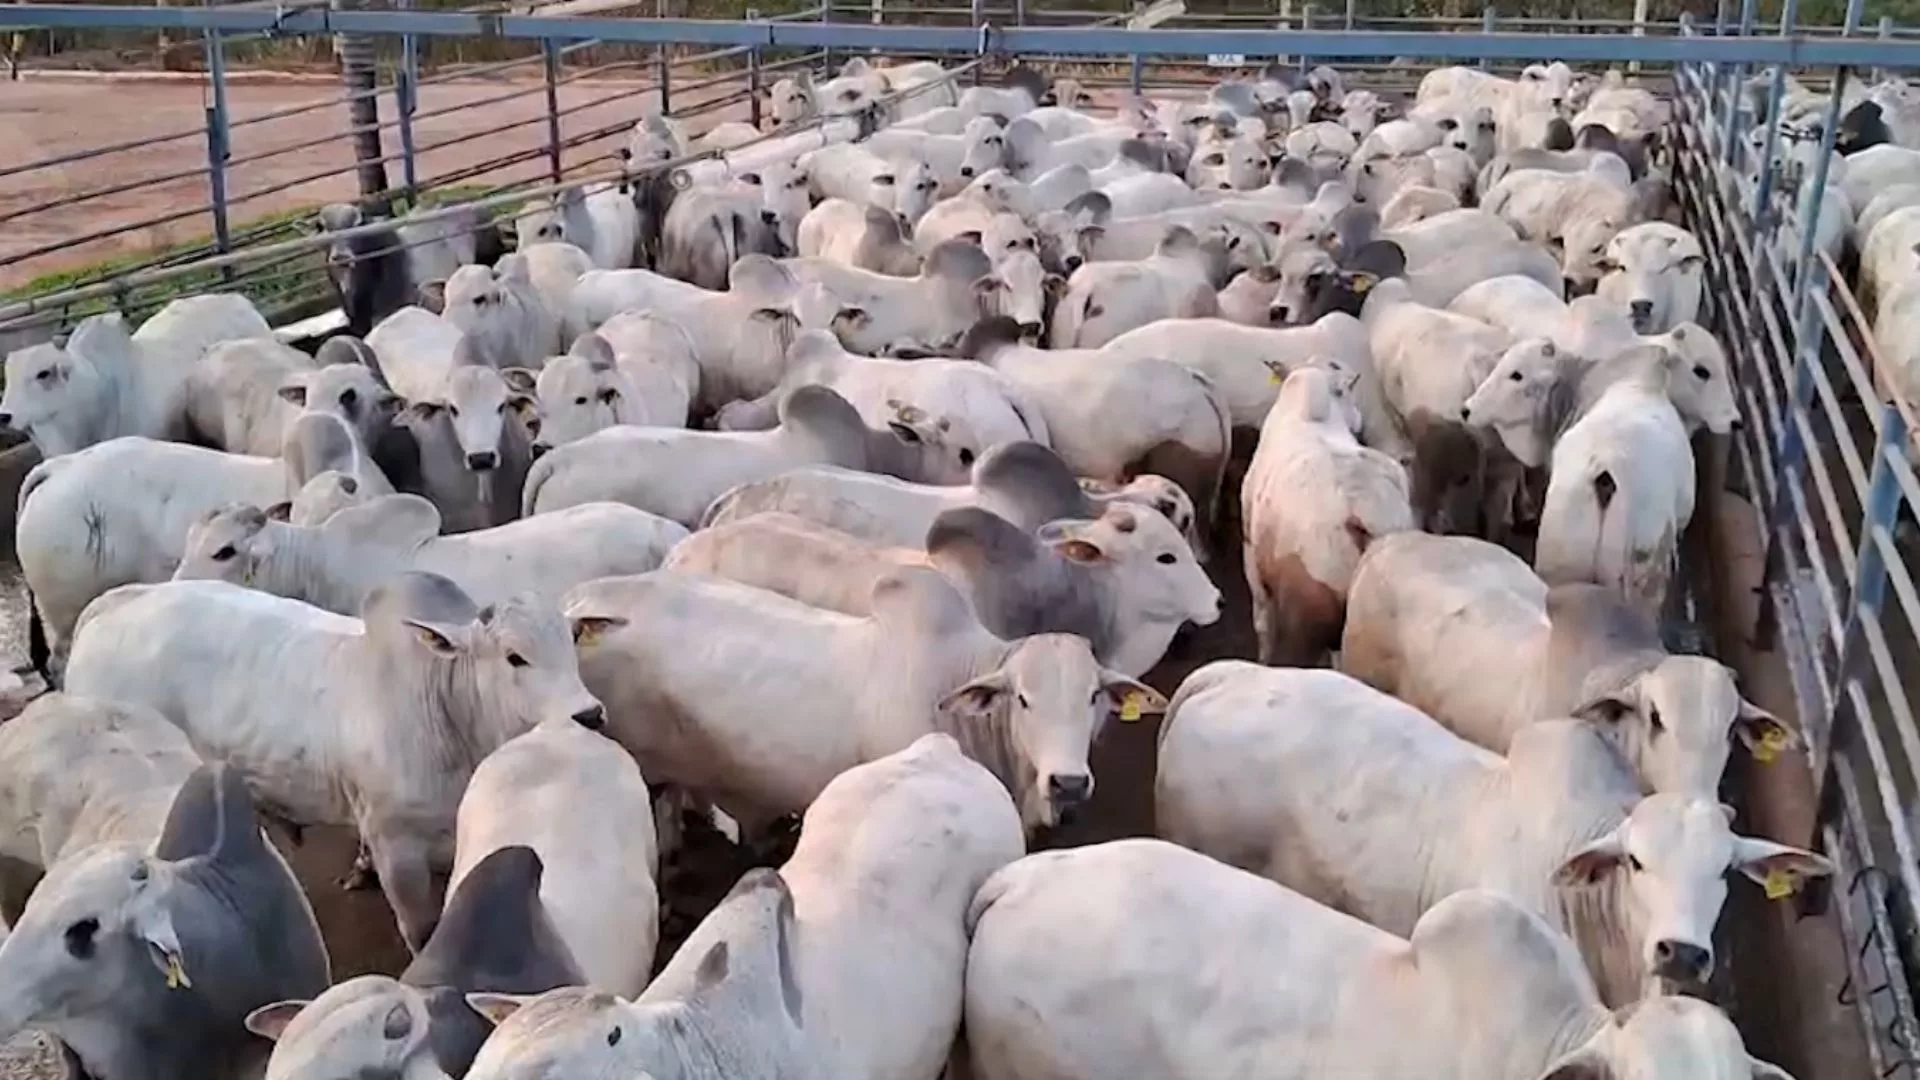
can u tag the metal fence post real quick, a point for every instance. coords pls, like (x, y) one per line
(1136, 72)
(1019, 12)
(1810, 194)
(217, 147)
(1487, 16)
(753, 75)
(406, 99)
(826, 16)
(1867, 593)
(663, 71)
(1350, 6)
(1762, 210)
(1306, 23)
(1735, 91)
(977, 18)
(550, 63)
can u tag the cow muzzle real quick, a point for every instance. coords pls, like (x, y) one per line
(1067, 793)
(1682, 962)
(593, 717)
(482, 460)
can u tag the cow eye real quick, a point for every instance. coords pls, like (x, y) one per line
(502, 410)
(452, 409)
(966, 456)
(1515, 377)
(225, 553)
(516, 660)
(581, 400)
(45, 375)
(1167, 558)
(1700, 372)
(1633, 861)
(1653, 718)
(79, 938)
(609, 395)
(1021, 698)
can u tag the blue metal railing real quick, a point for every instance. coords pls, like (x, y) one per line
(1828, 452)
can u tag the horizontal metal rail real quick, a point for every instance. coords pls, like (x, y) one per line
(1793, 49)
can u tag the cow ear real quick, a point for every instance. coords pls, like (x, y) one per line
(425, 410)
(1779, 869)
(270, 1021)
(1592, 863)
(497, 1007)
(1767, 1070)
(1131, 698)
(281, 511)
(1055, 286)
(433, 296)
(519, 378)
(1611, 707)
(294, 391)
(1071, 540)
(1763, 733)
(434, 639)
(978, 696)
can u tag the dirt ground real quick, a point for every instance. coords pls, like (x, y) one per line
(43, 118)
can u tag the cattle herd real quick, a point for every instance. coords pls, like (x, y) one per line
(860, 472)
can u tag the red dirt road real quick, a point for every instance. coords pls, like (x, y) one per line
(42, 118)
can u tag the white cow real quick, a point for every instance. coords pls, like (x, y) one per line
(816, 564)
(100, 382)
(872, 313)
(1579, 213)
(1466, 632)
(416, 350)
(1113, 416)
(339, 563)
(955, 409)
(76, 771)
(738, 338)
(849, 689)
(603, 222)
(1063, 989)
(1025, 483)
(848, 961)
(1313, 501)
(1521, 306)
(1384, 813)
(676, 473)
(1655, 274)
(374, 722)
(1248, 363)
(865, 237)
(578, 800)
(650, 363)
(118, 513)
(501, 314)
(1622, 478)
(1106, 299)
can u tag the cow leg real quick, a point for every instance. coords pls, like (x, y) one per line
(402, 858)
(1261, 603)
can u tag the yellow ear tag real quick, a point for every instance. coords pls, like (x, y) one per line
(1363, 282)
(1770, 746)
(1130, 707)
(1779, 885)
(176, 975)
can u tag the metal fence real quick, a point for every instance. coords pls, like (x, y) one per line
(1829, 440)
